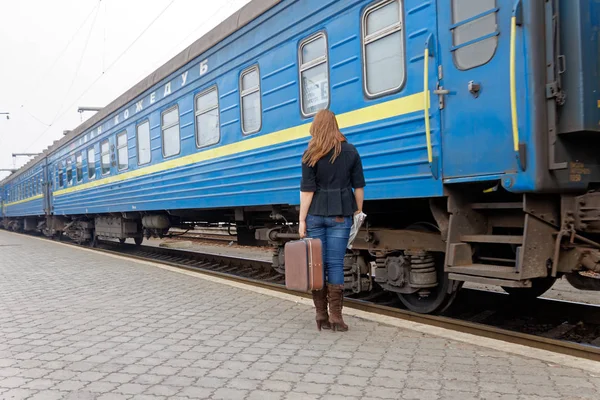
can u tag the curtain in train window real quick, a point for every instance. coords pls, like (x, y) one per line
(143, 143)
(170, 132)
(474, 42)
(314, 74)
(91, 163)
(69, 171)
(79, 167)
(105, 157)
(207, 118)
(122, 153)
(383, 48)
(250, 99)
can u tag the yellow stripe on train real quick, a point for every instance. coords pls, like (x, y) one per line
(392, 108)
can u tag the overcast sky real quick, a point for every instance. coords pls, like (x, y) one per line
(58, 55)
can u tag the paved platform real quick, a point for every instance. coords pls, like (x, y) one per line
(75, 324)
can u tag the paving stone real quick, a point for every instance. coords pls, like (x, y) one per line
(195, 392)
(114, 396)
(178, 381)
(229, 394)
(147, 379)
(162, 390)
(95, 328)
(265, 395)
(47, 395)
(13, 382)
(101, 387)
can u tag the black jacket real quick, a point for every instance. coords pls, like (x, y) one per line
(333, 183)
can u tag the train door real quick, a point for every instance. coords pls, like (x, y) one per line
(47, 178)
(473, 89)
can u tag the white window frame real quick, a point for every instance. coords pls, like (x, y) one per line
(163, 128)
(102, 155)
(79, 166)
(197, 113)
(69, 163)
(117, 136)
(137, 141)
(456, 48)
(368, 39)
(60, 176)
(91, 164)
(311, 64)
(244, 93)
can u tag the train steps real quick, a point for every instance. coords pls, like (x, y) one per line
(496, 243)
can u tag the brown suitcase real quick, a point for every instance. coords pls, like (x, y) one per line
(304, 265)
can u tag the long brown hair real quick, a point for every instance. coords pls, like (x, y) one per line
(326, 135)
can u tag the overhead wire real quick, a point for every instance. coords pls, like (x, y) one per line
(47, 71)
(85, 45)
(103, 73)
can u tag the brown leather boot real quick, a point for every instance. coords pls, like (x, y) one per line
(320, 300)
(335, 295)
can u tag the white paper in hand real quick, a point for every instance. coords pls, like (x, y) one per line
(357, 223)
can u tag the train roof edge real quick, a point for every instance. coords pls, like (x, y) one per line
(236, 21)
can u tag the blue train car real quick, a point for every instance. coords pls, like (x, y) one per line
(22, 199)
(477, 123)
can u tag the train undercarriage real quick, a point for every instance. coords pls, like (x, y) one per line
(421, 250)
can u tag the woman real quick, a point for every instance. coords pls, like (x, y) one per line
(331, 167)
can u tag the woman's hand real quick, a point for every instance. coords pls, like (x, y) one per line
(302, 229)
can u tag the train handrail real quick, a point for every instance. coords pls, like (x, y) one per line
(426, 101)
(516, 19)
(429, 51)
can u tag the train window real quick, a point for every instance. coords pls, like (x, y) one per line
(79, 167)
(60, 175)
(314, 74)
(91, 163)
(474, 40)
(207, 118)
(170, 132)
(143, 143)
(250, 100)
(69, 171)
(122, 153)
(105, 157)
(383, 48)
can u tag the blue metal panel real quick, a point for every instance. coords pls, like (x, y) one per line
(394, 150)
(29, 208)
(580, 41)
(477, 132)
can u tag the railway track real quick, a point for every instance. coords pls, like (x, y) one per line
(562, 327)
(205, 234)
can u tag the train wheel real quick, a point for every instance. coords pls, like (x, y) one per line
(138, 240)
(122, 241)
(435, 300)
(538, 287)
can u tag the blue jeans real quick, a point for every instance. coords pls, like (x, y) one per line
(334, 233)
